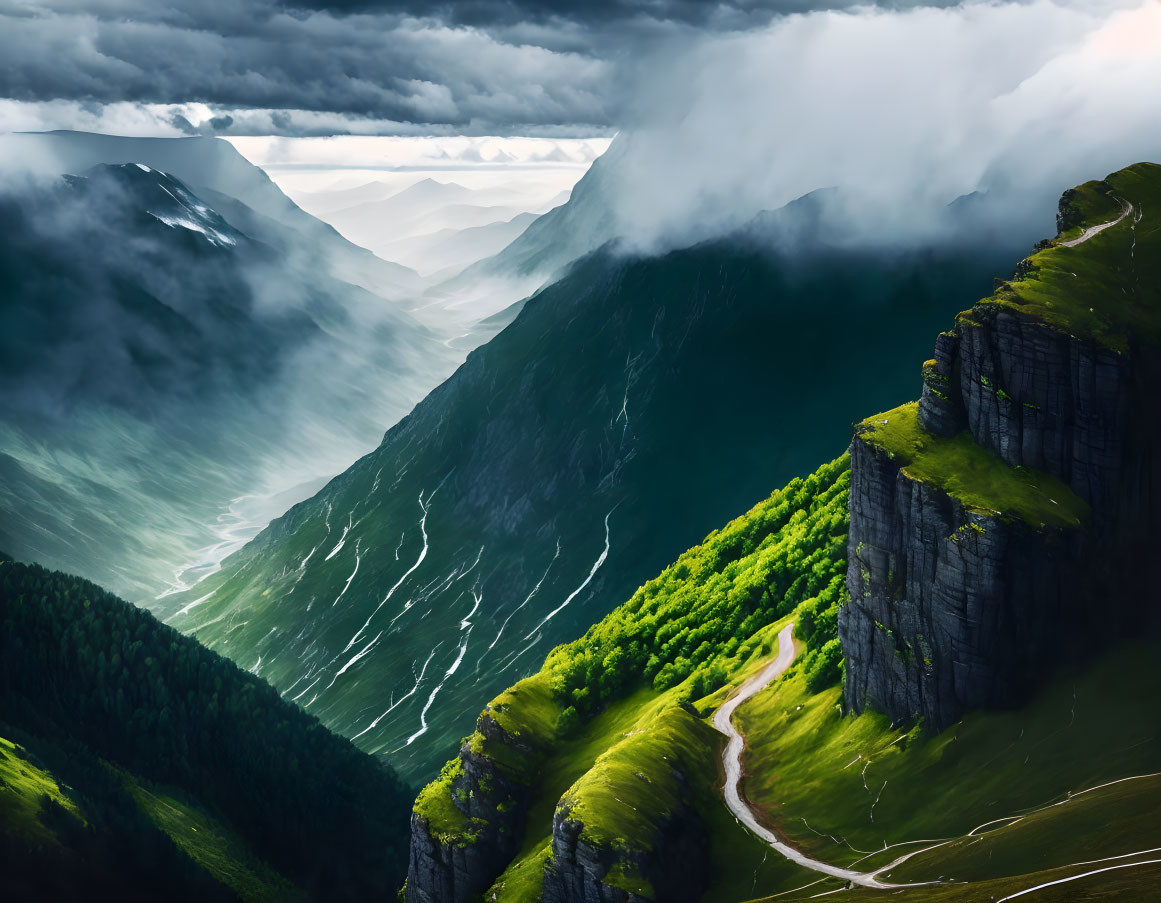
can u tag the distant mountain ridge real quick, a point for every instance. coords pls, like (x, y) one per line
(407, 225)
(450, 250)
(163, 347)
(209, 163)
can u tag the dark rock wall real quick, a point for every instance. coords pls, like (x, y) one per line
(677, 868)
(457, 872)
(949, 609)
(1036, 397)
(952, 609)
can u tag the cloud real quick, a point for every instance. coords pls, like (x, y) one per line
(724, 108)
(376, 67)
(382, 67)
(903, 111)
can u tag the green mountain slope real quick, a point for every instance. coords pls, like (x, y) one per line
(138, 762)
(599, 777)
(816, 775)
(565, 463)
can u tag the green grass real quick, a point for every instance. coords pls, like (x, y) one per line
(1104, 823)
(1133, 884)
(208, 843)
(23, 789)
(807, 761)
(527, 711)
(597, 769)
(1086, 833)
(637, 785)
(708, 620)
(1104, 289)
(528, 714)
(563, 767)
(522, 880)
(974, 475)
(445, 820)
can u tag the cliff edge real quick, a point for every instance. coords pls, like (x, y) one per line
(995, 523)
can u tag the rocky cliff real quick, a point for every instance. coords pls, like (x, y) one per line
(988, 518)
(466, 826)
(583, 872)
(628, 831)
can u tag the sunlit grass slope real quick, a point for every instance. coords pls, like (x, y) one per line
(975, 476)
(1107, 288)
(615, 716)
(25, 789)
(841, 786)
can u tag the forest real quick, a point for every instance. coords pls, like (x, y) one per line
(788, 551)
(106, 697)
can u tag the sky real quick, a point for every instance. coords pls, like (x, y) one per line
(719, 108)
(541, 167)
(904, 110)
(372, 67)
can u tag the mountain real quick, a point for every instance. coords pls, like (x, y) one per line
(1031, 483)
(935, 657)
(211, 166)
(450, 250)
(137, 765)
(563, 234)
(320, 203)
(422, 209)
(563, 463)
(173, 367)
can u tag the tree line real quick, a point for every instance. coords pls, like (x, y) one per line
(698, 617)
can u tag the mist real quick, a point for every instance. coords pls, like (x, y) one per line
(168, 391)
(902, 111)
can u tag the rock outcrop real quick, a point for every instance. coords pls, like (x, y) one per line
(466, 826)
(962, 591)
(674, 871)
(951, 608)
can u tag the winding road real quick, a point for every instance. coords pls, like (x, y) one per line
(1126, 209)
(732, 757)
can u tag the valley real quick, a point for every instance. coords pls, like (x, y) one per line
(197, 446)
(473, 539)
(704, 740)
(636, 452)
(701, 742)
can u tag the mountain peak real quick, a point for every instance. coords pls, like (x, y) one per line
(165, 198)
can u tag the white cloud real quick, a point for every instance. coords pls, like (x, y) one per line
(903, 110)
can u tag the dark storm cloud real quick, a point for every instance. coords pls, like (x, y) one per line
(473, 67)
(728, 13)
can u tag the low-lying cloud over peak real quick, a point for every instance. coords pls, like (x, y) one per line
(904, 111)
(723, 109)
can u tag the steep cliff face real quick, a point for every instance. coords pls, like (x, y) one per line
(465, 826)
(952, 606)
(580, 871)
(988, 518)
(1035, 396)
